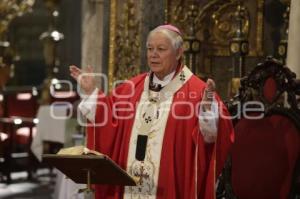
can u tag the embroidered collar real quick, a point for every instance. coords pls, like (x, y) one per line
(165, 81)
(156, 84)
(175, 84)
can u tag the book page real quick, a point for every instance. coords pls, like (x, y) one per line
(77, 150)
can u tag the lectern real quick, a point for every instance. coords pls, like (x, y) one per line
(90, 169)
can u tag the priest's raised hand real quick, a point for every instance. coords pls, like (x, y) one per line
(208, 94)
(85, 78)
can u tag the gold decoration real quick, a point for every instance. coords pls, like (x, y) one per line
(196, 46)
(234, 86)
(223, 24)
(186, 45)
(112, 36)
(9, 9)
(244, 47)
(258, 51)
(213, 24)
(124, 42)
(281, 50)
(234, 47)
(284, 31)
(166, 11)
(4, 75)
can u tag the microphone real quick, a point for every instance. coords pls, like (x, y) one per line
(141, 145)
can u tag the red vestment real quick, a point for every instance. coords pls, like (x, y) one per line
(177, 166)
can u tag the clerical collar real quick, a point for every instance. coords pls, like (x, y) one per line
(165, 81)
(156, 84)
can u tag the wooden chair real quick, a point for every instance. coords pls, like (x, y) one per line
(264, 161)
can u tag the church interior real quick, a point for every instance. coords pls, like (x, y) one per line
(250, 48)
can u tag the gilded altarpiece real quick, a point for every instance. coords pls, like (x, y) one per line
(213, 23)
(124, 44)
(209, 21)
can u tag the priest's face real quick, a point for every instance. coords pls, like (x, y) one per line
(161, 56)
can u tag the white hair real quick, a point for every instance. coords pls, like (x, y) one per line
(175, 38)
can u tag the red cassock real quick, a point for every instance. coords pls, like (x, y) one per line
(182, 142)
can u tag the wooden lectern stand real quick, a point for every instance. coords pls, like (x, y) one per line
(90, 169)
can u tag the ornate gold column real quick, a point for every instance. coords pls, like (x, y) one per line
(124, 42)
(112, 40)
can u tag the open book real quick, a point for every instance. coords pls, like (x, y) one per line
(77, 150)
(96, 168)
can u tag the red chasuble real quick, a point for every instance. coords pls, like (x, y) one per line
(188, 165)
